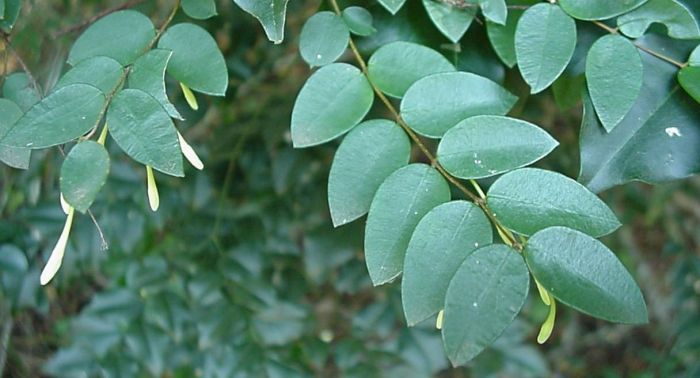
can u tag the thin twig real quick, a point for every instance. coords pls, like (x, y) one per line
(509, 238)
(94, 18)
(25, 68)
(464, 4)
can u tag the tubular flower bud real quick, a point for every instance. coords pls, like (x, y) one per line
(56, 257)
(153, 198)
(190, 153)
(189, 96)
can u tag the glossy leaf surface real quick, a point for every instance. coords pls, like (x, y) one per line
(323, 39)
(83, 174)
(399, 204)
(270, 13)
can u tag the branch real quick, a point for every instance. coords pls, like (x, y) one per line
(465, 4)
(25, 68)
(508, 236)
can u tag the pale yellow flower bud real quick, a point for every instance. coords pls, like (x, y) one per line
(56, 257)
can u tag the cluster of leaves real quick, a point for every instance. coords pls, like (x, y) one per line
(548, 223)
(444, 248)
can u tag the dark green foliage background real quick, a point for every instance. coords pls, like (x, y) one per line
(240, 272)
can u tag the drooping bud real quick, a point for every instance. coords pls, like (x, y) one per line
(190, 153)
(440, 318)
(56, 257)
(189, 96)
(103, 135)
(548, 325)
(153, 198)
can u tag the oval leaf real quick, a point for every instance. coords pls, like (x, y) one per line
(122, 36)
(15, 157)
(148, 75)
(368, 155)
(101, 72)
(502, 37)
(614, 74)
(436, 103)
(679, 21)
(196, 61)
(83, 174)
(334, 99)
(528, 200)
(440, 242)
(270, 13)
(483, 298)
(199, 9)
(396, 66)
(19, 89)
(61, 117)
(392, 6)
(545, 38)
(452, 22)
(323, 39)
(143, 129)
(598, 9)
(359, 21)
(583, 273)
(401, 201)
(689, 78)
(494, 10)
(484, 146)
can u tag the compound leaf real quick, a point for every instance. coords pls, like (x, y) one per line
(400, 202)
(334, 99)
(440, 243)
(434, 104)
(83, 174)
(485, 146)
(614, 74)
(144, 130)
(368, 155)
(545, 38)
(583, 273)
(528, 200)
(483, 298)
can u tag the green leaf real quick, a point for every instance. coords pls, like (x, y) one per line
(581, 272)
(494, 10)
(396, 66)
(440, 243)
(359, 21)
(679, 21)
(694, 59)
(148, 75)
(545, 39)
(83, 174)
(144, 130)
(689, 78)
(64, 115)
(270, 13)
(657, 141)
(598, 9)
(368, 155)
(485, 146)
(197, 61)
(614, 73)
(502, 37)
(199, 9)
(485, 295)
(392, 6)
(323, 39)
(401, 201)
(452, 22)
(101, 72)
(437, 102)
(19, 89)
(122, 36)
(528, 200)
(334, 99)
(15, 157)
(12, 8)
